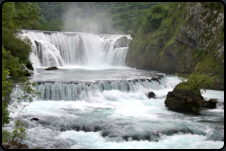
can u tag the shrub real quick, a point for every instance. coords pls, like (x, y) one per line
(19, 132)
(6, 136)
(196, 81)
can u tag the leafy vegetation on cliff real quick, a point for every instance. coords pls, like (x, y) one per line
(175, 45)
(195, 82)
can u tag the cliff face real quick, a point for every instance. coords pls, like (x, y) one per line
(197, 44)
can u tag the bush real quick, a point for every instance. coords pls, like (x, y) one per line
(196, 81)
(214, 5)
(19, 132)
(6, 136)
(153, 20)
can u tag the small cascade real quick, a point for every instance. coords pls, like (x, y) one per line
(79, 90)
(70, 48)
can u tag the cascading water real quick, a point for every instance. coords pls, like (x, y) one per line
(94, 101)
(72, 91)
(69, 49)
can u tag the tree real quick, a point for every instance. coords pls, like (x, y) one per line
(15, 51)
(14, 15)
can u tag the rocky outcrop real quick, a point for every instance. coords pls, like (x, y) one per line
(197, 44)
(202, 22)
(14, 145)
(122, 42)
(183, 100)
(51, 68)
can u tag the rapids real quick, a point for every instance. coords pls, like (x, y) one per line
(94, 101)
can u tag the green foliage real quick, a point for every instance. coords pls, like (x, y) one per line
(196, 81)
(18, 48)
(110, 17)
(166, 29)
(154, 19)
(215, 5)
(14, 15)
(10, 64)
(5, 113)
(14, 52)
(174, 5)
(19, 132)
(158, 36)
(6, 136)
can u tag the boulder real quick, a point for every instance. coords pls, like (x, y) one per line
(211, 104)
(184, 100)
(150, 95)
(122, 42)
(14, 145)
(52, 68)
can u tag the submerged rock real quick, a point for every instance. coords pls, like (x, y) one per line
(184, 100)
(14, 145)
(150, 95)
(52, 68)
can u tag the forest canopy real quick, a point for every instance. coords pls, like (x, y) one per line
(96, 17)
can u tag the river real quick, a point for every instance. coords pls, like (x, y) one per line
(94, 101)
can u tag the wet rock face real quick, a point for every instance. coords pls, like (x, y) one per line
(198, 16)
(198, 38)
(183, 100)
(122, 42)
(14, 145)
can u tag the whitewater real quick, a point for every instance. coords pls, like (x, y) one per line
(94, 101)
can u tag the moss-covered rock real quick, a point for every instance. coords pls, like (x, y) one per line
(182, 99)
(211, 104)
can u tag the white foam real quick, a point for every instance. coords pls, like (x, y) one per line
(93, 140)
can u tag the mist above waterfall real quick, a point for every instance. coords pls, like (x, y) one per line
(87, 18)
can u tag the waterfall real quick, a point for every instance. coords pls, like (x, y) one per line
(73, 48)
(77, 91)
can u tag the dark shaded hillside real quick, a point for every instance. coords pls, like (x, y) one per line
(120, 16)
(189, 38)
